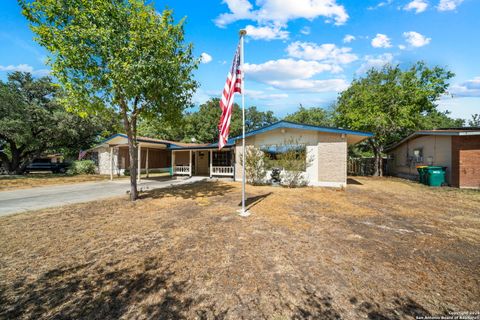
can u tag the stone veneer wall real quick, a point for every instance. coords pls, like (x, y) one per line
(104, 161)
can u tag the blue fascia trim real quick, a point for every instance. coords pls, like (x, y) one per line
(212, 146)
(293, 125)
(109, 138)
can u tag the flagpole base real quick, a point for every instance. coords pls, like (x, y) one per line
(243, 213)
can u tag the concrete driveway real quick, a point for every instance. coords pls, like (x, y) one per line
(53, 196)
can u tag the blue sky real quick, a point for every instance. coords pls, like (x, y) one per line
(303, 51)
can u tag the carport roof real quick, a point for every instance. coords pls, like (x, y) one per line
(172, 145)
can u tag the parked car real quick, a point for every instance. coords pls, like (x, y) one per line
(46, 164)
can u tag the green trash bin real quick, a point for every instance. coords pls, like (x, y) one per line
(422, 174)
(435, 176)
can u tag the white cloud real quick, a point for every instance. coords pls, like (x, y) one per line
(376, 62)
(266, 32)
(280, 12)
(261, 95)
(381, 4)
(25, 68)
(289, 74)
(448, 5)
(205, 58)
(327, 52)
(381, 41)
(416, 39)
(348, 38)
(305, 30)
(417, 5)
(283, 69)
(310, 85)
(469, 88)
(402, 47)
(239, 9)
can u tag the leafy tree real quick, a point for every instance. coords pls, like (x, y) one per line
(119, 54)
(313, 116)
(32, 122)
(391, 103)
(475, 121)
(159, 128)
(202, 125)
(437, 119)
(255, 119)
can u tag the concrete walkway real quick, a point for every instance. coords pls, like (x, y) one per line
(53, 196)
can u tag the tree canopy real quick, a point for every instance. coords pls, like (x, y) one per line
(202, 125)
(313, 116)
(120, 55)
(391, 103)
(33, 122)
(474, 121)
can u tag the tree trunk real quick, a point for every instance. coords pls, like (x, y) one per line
(132, 151)
(378, 160)
(14, 164)
(130, 126)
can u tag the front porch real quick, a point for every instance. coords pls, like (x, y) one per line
(203, 162)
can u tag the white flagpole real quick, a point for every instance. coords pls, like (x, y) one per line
(243, 212)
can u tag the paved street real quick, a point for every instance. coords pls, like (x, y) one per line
(53, 196)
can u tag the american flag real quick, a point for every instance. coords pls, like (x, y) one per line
(82, 154)
(233, 85)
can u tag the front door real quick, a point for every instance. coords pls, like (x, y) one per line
(202, 163)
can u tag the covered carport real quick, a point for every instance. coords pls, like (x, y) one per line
(112, 156)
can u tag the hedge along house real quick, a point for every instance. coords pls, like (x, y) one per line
(326, 147)
(456, 149)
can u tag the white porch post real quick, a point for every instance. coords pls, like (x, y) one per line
(172, 172)
(111, 163)
(139, 169)
(211, 162)
(190, 164)
(146, 163)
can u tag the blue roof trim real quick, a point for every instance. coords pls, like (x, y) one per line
(293, 125)
(210, 146)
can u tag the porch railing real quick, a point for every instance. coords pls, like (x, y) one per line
(182, 170)
(222, 171)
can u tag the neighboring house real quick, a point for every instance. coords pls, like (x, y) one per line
(456, 149)
(326, 147)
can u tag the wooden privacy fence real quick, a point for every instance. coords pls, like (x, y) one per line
(363, 166)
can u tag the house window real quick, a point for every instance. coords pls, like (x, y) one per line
(222, 158)
(287, 155)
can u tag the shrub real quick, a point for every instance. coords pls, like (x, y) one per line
(82, 167)
(255, 169)
(288, 162)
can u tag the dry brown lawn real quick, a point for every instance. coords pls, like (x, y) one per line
(382, 249)
(44, 179)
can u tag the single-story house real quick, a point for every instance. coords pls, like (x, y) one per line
(326, 147)
(456, 149)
